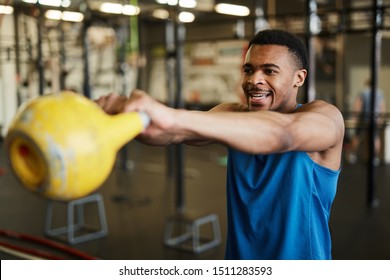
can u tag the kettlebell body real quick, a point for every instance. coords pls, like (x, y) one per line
(63, 146)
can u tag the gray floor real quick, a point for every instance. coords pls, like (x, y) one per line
(139, 198)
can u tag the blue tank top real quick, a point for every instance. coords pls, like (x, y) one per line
(278, 206)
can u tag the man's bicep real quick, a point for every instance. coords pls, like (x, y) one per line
(318, 129)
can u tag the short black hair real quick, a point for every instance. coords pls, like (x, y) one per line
(283, 38)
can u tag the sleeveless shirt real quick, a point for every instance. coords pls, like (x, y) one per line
(278, 206)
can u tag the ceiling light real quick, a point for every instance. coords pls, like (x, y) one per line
(116, 8)
(186, 17)
(72, 16)
(169, 2)
(6, 10)
(54, 3)
(160, 13)
(66, 16)
(53, 14)
(112, 8)
(130, 10)
(182, 3)
(230, 9)
(187, 3)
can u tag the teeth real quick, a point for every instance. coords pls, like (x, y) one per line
(263, 95)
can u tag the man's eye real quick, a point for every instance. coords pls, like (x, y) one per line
(269, 71)
(247, 71)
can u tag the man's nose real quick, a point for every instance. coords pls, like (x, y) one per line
(256, 78)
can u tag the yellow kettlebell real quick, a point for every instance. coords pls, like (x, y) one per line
(63, 146)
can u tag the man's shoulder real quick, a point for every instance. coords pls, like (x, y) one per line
(325, 108)
(230, 107)
(319, 104)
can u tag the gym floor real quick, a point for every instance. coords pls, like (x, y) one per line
(139, 195)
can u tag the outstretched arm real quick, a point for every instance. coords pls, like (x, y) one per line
(163, 118)
(315, 127)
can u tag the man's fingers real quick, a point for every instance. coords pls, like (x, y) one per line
(111, 103)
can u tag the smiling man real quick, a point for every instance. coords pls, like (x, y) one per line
(283, 157)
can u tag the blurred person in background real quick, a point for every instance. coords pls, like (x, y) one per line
(361, 114)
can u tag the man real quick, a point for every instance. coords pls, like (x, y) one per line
(361, 110)
(283, 158)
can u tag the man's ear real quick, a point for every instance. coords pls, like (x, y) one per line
(300, 77)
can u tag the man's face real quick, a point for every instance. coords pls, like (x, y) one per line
(271, 78)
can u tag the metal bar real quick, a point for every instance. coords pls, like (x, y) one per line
(123, 37)
(311, 78)
(179, 103)
(340, 55)
(180, 37)
(17, 55)
(40, 63)
(372, 201)
(170, 70)
(84, 8)
(62, 56)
